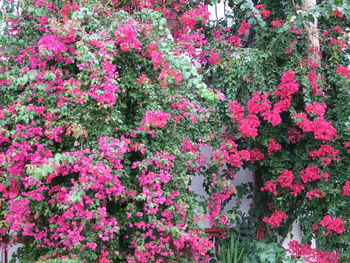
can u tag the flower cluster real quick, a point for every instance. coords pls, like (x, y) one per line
(311, 255)
(157, 119)
(346, 188)
(275, 219)
(243, 28)
(344, 71)
(312, 173)
(314, 193)
(270, 186)
(326, 154)
(195, 16)
(126, 36)
(273, 146)
(322, 129)
(262, 11)
(333, 224)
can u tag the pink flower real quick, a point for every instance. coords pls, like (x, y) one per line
(259, 7)
(338, 13)
(236, 110)
(265, 14)
(273, 147)
(235, 40)
(43, 20)
(275, 219)
(126, 36)
(243, 28)
(347, 145)
(286, 178)
(91, 245)
(270, 186)
(333, 224)
(311, 255)
(326, 153)
(214, 58)
(249, 126)
(314, 193)
(346, 189)
(311, 173)
(295, 189)
(277, 23)
(272, 116)
(295, 135)
(345, 72)
(316, 109)
(255, 155)
(291, 47)
(322, 129)
(51, 43)
(259, 103)
(158, 119)
(288, 85)
(195, 16)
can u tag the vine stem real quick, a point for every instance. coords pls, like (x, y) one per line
(295, 7)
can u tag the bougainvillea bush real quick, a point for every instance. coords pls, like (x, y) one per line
(101, 121)
(287, 86)
(104, 118)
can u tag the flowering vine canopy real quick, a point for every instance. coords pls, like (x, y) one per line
(104, 118)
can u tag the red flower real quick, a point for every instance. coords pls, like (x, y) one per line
(327, 154)
(270, 186)
(338, 13)
(333, 224)
(345, 72)
(236, 110)
(317, 193)
(286, 178)
(346, 188)
(249, 126)
(273, 147)
(265, 13)
(277, 23)
(311, 173)
(243, 28)
(311, 255)
(275, 219)
(258, 103)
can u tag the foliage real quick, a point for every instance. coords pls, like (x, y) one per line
(233, 253)
(237, 250)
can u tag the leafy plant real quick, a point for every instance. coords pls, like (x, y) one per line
(234, 249)
(233, 252)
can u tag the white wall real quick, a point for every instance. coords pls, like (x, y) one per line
(243, 177)
(217, 11)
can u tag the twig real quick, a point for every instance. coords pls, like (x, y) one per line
(295, 7)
